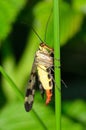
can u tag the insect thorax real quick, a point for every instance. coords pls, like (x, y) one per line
(43, 57)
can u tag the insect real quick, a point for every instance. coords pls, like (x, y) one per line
(43, 64)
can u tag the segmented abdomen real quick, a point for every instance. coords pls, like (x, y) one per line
(45, 78)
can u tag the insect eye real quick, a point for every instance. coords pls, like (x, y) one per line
(42, 44)
(52, 54)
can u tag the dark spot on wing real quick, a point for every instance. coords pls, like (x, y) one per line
(48, 69)
(49, 76)
(28, 106)
(52, 54)
(33, 74)
(28, 92)
(30, 81)
(42, 44)
(50, 83)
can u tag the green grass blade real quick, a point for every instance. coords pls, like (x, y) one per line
(57, 63)
(12, 84)
(19, 93)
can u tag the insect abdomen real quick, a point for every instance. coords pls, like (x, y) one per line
(43, 77)
(46, 81)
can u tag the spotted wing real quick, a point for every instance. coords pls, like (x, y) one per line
(29, 97)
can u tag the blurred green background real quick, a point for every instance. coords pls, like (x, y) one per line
(18, 44)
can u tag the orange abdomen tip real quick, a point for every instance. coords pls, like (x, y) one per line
(48, 96)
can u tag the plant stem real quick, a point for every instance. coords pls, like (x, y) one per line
(57, 63)
(19, 93)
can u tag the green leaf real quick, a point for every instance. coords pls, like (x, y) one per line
(68, 124)
(8, 13)
(76, 110)
(80, 5)
(11, 83)
(70, 22)
(14, 117)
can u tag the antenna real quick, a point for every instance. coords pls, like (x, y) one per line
(37, 34)
(45, 28)
(34, 32)
(47, 24)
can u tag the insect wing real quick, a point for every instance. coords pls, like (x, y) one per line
(29, 97)
(41, 90)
